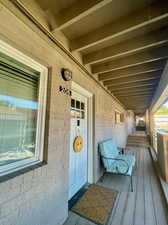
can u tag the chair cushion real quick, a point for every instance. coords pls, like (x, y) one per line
(119, 166)
(129, 158)
(108, 148)
(123, 165)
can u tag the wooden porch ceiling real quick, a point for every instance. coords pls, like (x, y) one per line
(124, 44)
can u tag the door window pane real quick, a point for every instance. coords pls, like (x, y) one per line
(78, 104)
(82, 105)
(73, 103)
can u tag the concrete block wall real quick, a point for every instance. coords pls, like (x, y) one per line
(40, 196)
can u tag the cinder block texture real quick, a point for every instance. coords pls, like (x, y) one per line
(40, 197)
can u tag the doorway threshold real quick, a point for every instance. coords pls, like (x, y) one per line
(77, 196)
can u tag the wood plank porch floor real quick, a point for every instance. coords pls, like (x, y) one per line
(144, 206)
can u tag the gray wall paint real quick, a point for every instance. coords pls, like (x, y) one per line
(40, 197)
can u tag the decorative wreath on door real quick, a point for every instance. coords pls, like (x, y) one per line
(78, 144)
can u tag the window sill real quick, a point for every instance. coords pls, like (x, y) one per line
(21, 171)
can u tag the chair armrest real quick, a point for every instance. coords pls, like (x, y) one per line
(116, 159)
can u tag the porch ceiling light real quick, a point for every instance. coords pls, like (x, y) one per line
(66, 74)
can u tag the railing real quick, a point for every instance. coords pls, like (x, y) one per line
(162, 156)
(155, 139)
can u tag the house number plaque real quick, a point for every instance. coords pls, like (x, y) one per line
(65, 91)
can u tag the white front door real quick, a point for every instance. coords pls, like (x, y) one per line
(78, 164)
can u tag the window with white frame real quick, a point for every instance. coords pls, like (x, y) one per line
(23, 84)
(119, 117)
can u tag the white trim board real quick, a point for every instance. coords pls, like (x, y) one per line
(77, 88)
(161, 100)
(161, 94)
(19, 56)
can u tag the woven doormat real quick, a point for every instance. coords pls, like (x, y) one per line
(96, 204)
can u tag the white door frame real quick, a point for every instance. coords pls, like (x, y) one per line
(77, 88)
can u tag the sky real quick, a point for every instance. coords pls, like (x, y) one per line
(18, 102)
(166, 104)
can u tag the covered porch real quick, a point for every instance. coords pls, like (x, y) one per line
(74, 74)
(146, 205)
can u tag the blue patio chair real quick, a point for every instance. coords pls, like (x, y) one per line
(114, 162)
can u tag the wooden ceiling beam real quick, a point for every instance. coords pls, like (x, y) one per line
(134, 90)
(76, 12)
(141, 107)
(140, 19)
(141, 101)
(135, 100)
(132, 82)
(128, 47)
(134, 97)
(152, 55)
(138, 91)
(136, 78)
(132, 71)
(137, 103)
(134, 107)
(143, 93)
(139, 110)
(134, 85)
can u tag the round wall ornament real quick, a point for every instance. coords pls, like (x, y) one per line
(66, 74)
(78, 144)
